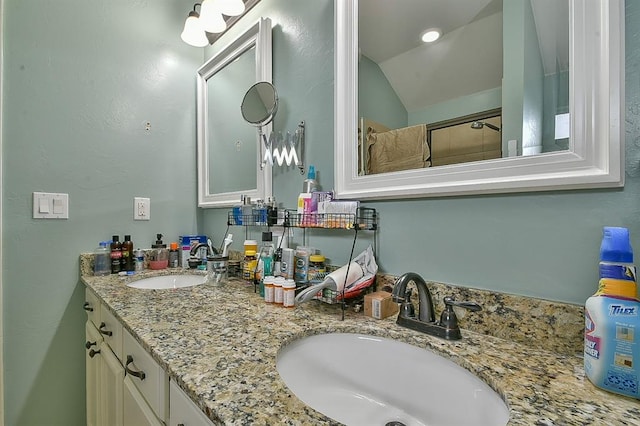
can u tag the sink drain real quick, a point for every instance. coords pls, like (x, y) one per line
(395, 423)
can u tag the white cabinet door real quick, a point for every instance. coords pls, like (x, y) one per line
(136, 410)
(183, 411)
(111, 388)
(93, 365)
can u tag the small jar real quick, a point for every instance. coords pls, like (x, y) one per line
(277, 290)
(249, 265)
(159, 254)
(269, 296)
(317, 269)
(289, 293)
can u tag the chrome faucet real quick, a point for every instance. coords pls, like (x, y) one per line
(446, 328)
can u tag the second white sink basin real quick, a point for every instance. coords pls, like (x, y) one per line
(364, 380)
(168, 281)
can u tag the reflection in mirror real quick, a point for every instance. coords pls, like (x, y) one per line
(228, 150)
(559, 129)
(231, 142)
(260, 104)
(405, 84)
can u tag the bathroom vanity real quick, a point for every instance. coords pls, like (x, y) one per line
(214, 348)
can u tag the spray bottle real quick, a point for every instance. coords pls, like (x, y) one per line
(612, 324)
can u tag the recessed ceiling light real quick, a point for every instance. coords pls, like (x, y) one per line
(431, 35)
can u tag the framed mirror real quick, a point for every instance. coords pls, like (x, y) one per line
(591, 157)
(229, 148)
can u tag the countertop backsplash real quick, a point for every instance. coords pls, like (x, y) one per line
(543, 324)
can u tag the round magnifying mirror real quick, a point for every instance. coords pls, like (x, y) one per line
(260, 104)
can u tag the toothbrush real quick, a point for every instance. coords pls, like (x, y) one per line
(227, 242)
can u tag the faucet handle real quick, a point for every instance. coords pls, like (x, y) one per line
(472, 306)
(448, 318)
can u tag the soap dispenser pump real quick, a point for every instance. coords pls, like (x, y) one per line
(159, 254)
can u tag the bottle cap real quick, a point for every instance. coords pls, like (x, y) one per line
(127, 237)
(250, 253)
(312, 172)
(616, 245)
(174, 246)
(316, 258)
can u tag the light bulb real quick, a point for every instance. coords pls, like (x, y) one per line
(232, 7)
(431, 35)
(193, 33)
(211, 17)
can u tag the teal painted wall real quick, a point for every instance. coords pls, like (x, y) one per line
(75, 104)
(377, 100)
(533, 83)
(81, 78)
(459, 107)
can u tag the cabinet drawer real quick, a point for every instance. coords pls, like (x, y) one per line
(92, 306)
(111, 330)
(182, 410)
(154, 387)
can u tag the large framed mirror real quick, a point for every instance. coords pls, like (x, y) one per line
(228, 147)
(588, 96)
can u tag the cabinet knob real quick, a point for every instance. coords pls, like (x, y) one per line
(93, 353)
(87, 307)
(138, 374)
(89, 344)
(105, 332)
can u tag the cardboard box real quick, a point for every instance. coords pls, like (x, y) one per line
(380, 305)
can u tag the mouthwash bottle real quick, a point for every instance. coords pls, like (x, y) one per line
(612, 324)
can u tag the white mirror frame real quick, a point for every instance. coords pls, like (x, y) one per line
(595, 158)
(259, 35)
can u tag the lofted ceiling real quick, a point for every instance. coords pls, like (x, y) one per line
(467, 59)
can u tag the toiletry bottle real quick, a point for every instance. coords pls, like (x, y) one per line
(139, 260)
(272, 211)
(310, 184)
(260, 213)
(247, 212)
(289, 294)
(159, 254)
(102, 260)
(612, 323)
(237, 212)
(173, 255)
(249, 265)
(126, 261)
(116, 254)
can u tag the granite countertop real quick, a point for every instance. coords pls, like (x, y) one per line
(219, 343)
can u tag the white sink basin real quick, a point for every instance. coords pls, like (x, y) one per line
(168, 281)
(364, 380)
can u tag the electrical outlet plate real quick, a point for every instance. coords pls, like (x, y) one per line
(141, 208)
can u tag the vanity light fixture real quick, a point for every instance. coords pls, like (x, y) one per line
(211, 16)
(231, 7)
(431, 35)
(214, 19)
(193, 33)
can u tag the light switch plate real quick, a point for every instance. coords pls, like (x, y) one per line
(47, 205)
(141, 208)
